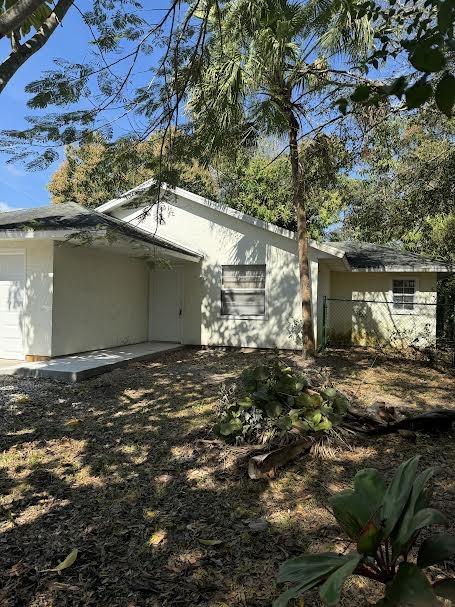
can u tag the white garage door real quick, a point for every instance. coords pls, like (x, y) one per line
(12, 281)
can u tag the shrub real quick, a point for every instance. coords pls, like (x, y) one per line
(385, 523)
(276, 399)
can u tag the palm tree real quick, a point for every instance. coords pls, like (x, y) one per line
(262, 61)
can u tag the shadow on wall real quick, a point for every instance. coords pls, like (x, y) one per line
(375, 323)
(225, 239)
(33, 301)
(281, 300)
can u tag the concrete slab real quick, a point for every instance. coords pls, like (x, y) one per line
(77, 367)
(7, 362)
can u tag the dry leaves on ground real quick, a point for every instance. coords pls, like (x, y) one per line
(124, 468)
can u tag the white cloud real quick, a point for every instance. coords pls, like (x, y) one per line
(13, 170)
(4, 207)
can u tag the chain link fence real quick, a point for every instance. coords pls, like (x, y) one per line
(425, 329)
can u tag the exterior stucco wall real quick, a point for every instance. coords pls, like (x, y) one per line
(36, 316)
(368, 323)
(100, 300)
(226, 240)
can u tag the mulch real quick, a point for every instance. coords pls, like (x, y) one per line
(123, 467)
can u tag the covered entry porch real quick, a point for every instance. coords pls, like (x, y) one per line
(117, 295)
(81, 282)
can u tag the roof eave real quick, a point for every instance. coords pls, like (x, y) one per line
(99, 235)
(177, 254)
(406, 269)
(55, 234)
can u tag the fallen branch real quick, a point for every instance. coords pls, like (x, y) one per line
(440, 420)
(262, 466)
(374, 422)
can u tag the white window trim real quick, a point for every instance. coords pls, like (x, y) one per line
(236, 317)
(237, 290)
(402, 312)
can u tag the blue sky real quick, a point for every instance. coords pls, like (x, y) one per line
(20, 188)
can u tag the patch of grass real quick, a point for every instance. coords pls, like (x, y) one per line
(13, 459)
(19, 490)
(21, 399)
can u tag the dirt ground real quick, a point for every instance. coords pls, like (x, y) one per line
(123, 468)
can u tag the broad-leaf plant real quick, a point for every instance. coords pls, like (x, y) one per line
(273, 400)
(384, 522)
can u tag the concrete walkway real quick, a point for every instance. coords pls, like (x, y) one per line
(77, 367)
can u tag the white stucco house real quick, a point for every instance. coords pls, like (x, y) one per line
(74, 279)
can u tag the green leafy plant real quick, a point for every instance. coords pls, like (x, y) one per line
(274, 399)
(385, 523)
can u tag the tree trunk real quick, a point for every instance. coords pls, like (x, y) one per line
(298, 192)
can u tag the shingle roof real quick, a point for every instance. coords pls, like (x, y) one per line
(365, 255)
(72, 216)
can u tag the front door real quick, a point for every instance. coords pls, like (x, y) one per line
(165, 322)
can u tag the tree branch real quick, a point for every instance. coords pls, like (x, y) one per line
(15, 16)
(23, 52)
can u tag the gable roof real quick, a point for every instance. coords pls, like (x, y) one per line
(364, 256)
(129, 196)
(356, 256)
(73, 217)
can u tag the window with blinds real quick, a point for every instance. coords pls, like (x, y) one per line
(403, 294)
(243, 291)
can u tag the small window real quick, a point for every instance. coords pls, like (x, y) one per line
(243, 291)
(403, 294)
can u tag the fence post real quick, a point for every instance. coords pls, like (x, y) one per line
(324, 322)
(453, 337)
